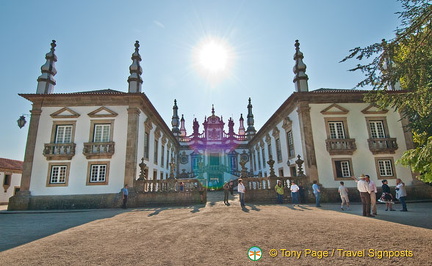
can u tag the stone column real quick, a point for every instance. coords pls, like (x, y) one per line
(308, 142)
(131, 146)
(21, 200)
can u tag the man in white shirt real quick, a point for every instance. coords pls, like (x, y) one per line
(373, 191)
(241, 190)
(363, 188)
(294, 193)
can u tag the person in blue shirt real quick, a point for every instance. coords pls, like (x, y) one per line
(317, 193)
(125, 193)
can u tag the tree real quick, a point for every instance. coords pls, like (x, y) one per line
(404, 63)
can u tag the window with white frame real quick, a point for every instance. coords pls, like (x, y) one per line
(156, 145)
(162, 156)
(58, 174)
(146, 145)
(263, 157)
(278, 150)
(342, 168)
(385, 168)
(63, 134)
(337, 130)
(377, 129)
(290, 141)
(102, 133)
(259, 159)
(98, 173)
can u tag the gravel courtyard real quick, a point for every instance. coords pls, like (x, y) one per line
(217, 234)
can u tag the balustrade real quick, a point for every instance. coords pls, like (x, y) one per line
(341, 146)
(98, 149)
(382, 145)
(59, 151)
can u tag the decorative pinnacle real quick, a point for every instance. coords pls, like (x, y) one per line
(213, 111)
(137, 46)
(297, 45)
(53, 45)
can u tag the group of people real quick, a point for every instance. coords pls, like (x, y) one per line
(368, 191)
(297, 193)
(365, 186)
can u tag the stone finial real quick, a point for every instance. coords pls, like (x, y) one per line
(182, 127)
(175, 121)
(241, 130)
(46, 81)
(250, 121)
(135, 80)
(300, 78)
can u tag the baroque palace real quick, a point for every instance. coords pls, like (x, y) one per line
(87, 144)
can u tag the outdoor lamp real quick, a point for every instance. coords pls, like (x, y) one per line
(21, 121)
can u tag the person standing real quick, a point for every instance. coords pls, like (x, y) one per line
(343, 192)
(373, 191)
(125, 194)
(279, 192)
(231, 189)
(401, 194)
(317, 193)
(302, 193)
(387, 197)
(363, 188)
(294, 193)
(241, 190)
(226, 189)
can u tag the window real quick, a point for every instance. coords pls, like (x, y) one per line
(162, 156)
(278, 150)
(342, 168)
(269, 149)
(63, 134)
(156, 144)
(263, 157)
(101, 133)
(377, 129)
(259, 159)
(254, 161)
(385, 168)
(146, 145)
(58, 174)
(98, 173)
(336, 130)
(7, 180)
(290, 141)
(167, 159)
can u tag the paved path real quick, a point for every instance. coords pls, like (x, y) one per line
(20, 227)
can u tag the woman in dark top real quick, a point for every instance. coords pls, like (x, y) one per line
(386, 196)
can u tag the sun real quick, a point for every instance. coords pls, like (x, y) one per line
(213, 58)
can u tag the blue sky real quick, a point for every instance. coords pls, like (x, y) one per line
(95, 40)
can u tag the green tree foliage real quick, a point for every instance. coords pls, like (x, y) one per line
(404, 62)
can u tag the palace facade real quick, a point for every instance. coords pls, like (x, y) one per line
(94, 142)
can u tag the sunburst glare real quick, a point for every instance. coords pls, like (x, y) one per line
(213, 59)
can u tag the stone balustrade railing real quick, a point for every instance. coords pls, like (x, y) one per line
(168, 185)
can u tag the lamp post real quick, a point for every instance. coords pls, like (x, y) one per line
(21, 121)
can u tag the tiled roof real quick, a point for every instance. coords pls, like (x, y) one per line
(104, 91)
(11, 164)
(324, 90)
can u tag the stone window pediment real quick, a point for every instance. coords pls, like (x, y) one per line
(335, 109)
(374, 109)
(65, 112)
(102, 112)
